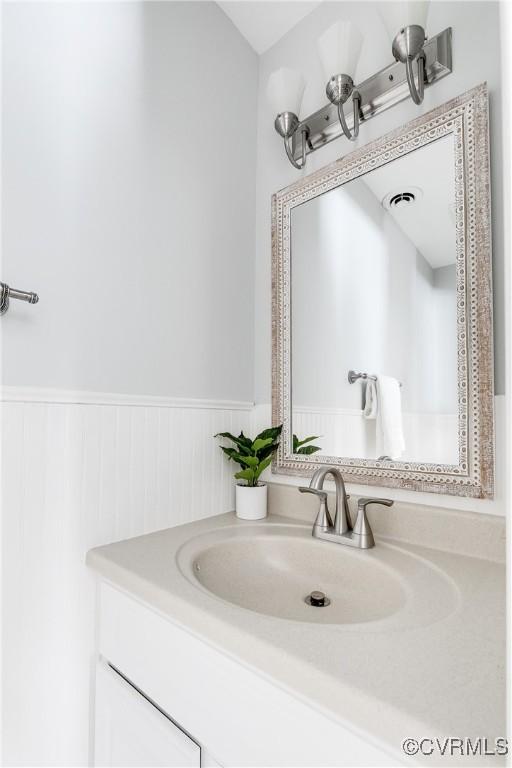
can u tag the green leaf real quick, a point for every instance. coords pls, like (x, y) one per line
(250, 461)
(226, 434)
(273, 432)
(243, 443)
(261, 443)
(307, 440)
(246, 474)
(233, 454)
(245, 440)
(307, 450)
(263, 465)
(268, 451)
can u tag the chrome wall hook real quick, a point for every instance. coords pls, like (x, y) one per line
(7, 293)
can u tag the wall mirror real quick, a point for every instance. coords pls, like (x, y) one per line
(382, 309)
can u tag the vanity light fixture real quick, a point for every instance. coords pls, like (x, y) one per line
(407, 45)
(339, 48)
(286, 88)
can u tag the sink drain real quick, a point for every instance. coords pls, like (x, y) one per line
(317, 599)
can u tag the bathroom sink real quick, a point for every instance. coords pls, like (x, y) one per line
(272, 569)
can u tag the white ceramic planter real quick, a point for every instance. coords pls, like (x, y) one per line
(251, 503)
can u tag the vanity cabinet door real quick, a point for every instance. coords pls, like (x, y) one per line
(130, 731)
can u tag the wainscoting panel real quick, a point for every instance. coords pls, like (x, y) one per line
(74, 476)
(497, 506)
(345, 432)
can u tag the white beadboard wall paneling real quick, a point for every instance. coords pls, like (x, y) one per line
(345, 432)
(261, 417)
(75, 476)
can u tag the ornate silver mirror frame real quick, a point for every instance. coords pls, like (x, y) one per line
(466, 119)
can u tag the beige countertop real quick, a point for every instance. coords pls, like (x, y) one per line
(445, 679)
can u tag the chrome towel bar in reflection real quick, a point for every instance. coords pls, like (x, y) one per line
(353, 377)
(7, 293)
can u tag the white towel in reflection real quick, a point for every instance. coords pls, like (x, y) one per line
(370, 409)
(390, 433)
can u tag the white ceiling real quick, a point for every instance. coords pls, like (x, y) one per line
(430, 222)
(264, 22)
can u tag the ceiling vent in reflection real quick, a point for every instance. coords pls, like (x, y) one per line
(401, 199)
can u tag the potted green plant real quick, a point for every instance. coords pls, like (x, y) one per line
(253, 456)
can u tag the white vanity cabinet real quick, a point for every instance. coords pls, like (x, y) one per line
(131, 731)
(236, 715)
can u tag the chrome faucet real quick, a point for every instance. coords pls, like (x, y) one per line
(341, 531)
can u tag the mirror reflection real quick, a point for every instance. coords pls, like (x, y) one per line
(373, 287)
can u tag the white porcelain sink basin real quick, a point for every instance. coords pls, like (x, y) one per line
(272, 568)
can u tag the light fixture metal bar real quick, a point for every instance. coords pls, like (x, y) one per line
(378, 93)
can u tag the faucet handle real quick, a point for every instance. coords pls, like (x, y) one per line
(363, 503)
(323, 519)
(321, 494)
(362, 527)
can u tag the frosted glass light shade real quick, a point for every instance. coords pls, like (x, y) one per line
(404, 13)
(339, 48)
(285, 89)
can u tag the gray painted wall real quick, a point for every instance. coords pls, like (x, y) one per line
(128, 200)
(364, 298)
